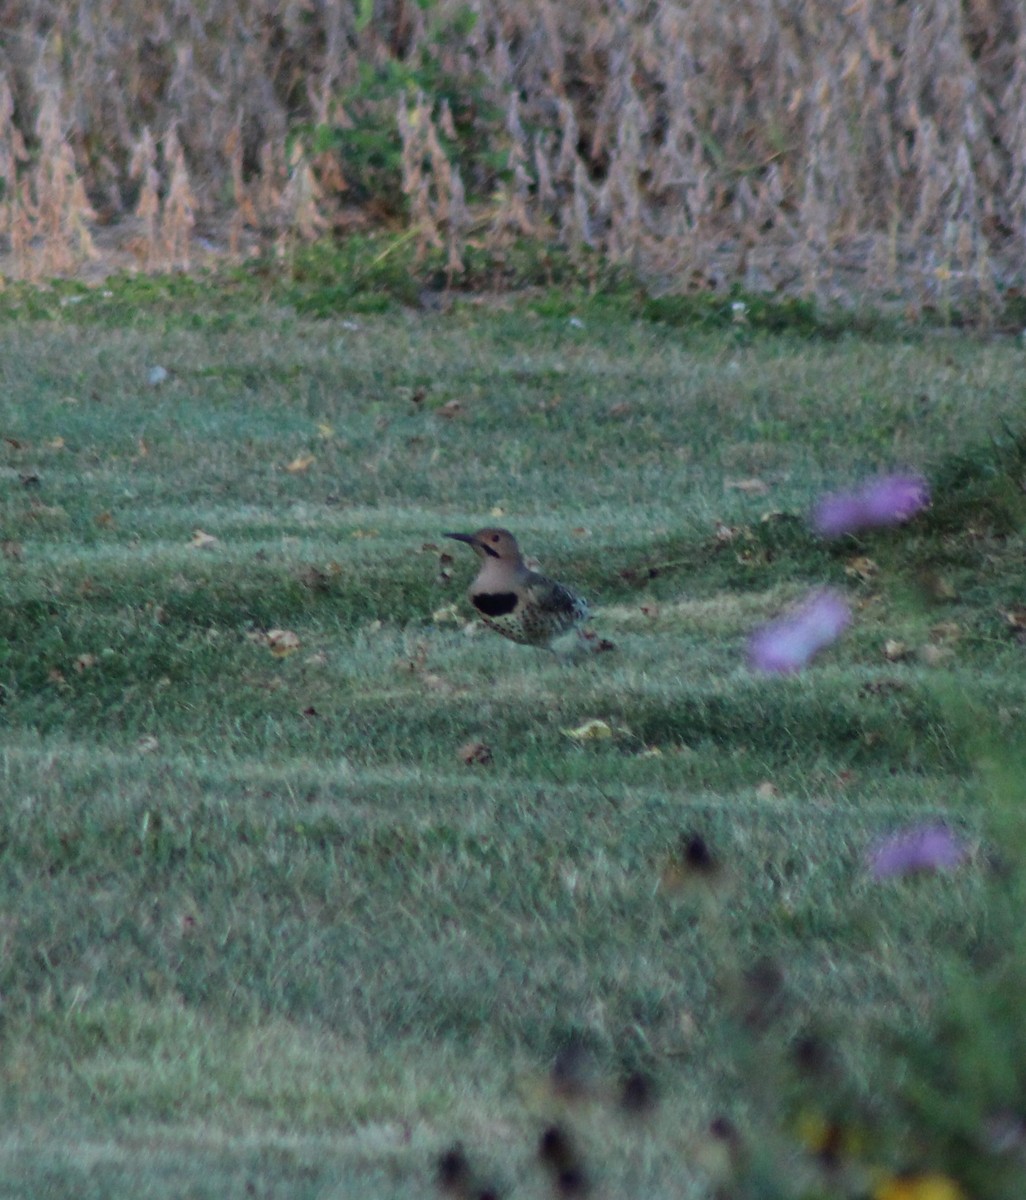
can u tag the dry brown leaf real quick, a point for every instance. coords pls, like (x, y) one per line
(496, 511)
(650, 610)
(313, 578)
(84, 662)
(895, 651)
(147, 744)
(56, 443)
(945, 631)
(301, 463)
(104, 520)
(935, 656)
(750, 487)
(451, 408)
(591, 731)
(203, 541)
(477, 754)
(1016, 617)
(325, 431)
(767, 790)
(282, 642)
(861, 567)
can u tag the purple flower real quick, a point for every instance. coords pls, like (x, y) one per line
(787, 644)
(885, 500)
(917, 848)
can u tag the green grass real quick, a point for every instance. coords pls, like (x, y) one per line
(263, 931)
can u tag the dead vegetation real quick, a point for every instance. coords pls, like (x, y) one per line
(870, 147)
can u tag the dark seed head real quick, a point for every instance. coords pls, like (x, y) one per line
(723, 1129)
(572, 1181)
(556, 1150)
(638, 1093)
(573, 1068)
(453, 1170)
(696, 854)
(763, 994)
(811, 1055)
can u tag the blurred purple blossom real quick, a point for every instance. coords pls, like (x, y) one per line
(885, 500)
(788, 643)
(917, 848)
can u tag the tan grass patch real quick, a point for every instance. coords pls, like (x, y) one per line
(867, 147)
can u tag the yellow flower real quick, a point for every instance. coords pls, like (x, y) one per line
(931, 1186)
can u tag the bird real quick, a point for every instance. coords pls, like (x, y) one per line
(519, 603)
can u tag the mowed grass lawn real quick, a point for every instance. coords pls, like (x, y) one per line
(263, 932)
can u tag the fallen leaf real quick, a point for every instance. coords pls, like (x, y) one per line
(496, 511)
(451, 408)
(282, 642)
(325, 431)
(475, 754)
(895, 651)
(202, 541)
(650, 610)
(14, 443)
(945, 631)
(12, 549)
(147, 744)
(435, 682)
(767, 790)
(313, 578)
(448, 615)
(1016, 617)
(750, 487)
(596, 644)
(104, 520)
(142, 449)
(300, 464)
(935, 656)
(591, 731)
(84, 662)
(365, 533)
(621, 409)
(861, 567)
(937, 586)
(56, 443)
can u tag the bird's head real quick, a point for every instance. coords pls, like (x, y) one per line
(491, 543)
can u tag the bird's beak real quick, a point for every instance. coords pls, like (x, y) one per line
(461, 537)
